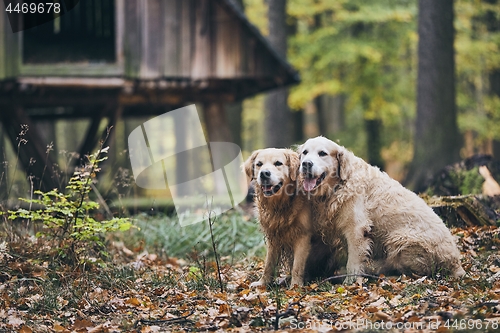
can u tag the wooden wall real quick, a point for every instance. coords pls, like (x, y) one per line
(190, 39)
(203, 44)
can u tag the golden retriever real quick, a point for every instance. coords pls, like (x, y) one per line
(383, 223)
(285, 218)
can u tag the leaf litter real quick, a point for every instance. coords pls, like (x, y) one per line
(147, 293)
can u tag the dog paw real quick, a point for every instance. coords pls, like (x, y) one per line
(350, 280)
(296, 282)
(459, 272)
(353, 278)
(257, 284)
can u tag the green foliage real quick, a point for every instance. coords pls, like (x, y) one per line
(477, 47)
(468, 181)
(367, 51)
(67, 217)
(235, 235)
(364, 50)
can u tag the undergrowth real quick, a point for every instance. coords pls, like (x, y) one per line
(69, 225)
(236, 236)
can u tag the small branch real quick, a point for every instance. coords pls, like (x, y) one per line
(178, 320)
(102, 201)
(349, 275)
(288, 312)
(211, 221)
(89, 178)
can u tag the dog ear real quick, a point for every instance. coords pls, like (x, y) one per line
(248, 165)
(293, 164)
(343, 168)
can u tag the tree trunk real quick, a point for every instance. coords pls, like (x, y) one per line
(239, 4)
(374, 142)
(331, 114)
(436, 141)
(311, 121)
(278, 116)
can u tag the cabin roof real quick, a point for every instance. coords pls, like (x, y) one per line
(294, 75)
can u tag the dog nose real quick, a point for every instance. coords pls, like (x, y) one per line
(265, 174)
(307, 165)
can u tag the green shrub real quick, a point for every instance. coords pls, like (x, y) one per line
(67, 217)
(468, 181)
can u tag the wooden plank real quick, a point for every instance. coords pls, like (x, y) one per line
(202, 62)
(119, 31)
(81, 82)
(152, 39)
(3, 29)
(227, 43)
(12, 50)
(132, 38)
(172, 48)
(74, 69)
(186, 44)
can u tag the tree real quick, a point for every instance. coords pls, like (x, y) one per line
(478, 64)
(278, 115)
(493, 27)
(362, 53)
(436, 137)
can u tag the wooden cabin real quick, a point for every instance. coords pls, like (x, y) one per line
(109, 59)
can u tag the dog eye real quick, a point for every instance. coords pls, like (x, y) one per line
(278, 163)
(305, 152)
(259, 164)
(322, 153)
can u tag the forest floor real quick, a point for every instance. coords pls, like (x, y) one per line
(143, 292)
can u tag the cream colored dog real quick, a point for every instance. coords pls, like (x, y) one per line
(285, 217)
(382, 222)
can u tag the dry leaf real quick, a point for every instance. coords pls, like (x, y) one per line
(25, 329)
(382, 316)
(14, 321)
(133, 301)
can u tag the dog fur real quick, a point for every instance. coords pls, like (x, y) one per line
(285, 218)
(385, 225)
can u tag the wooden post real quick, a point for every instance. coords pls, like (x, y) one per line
(32, 151)
(216, 122)
(90, 140)
(217, 131)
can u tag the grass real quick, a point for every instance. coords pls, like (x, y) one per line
(237, 236)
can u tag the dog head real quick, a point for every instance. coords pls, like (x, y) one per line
(321, 164)
(273, 169)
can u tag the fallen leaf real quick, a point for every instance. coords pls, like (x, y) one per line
(382, 316)
(58, 328)
(82, 323)
(15, 321)
(133, 301)
(25, 329)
